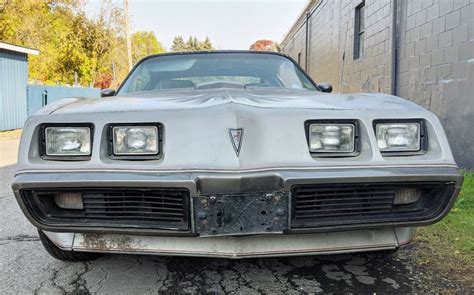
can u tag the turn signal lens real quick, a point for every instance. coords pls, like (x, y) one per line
(405, 196)
(69, 200)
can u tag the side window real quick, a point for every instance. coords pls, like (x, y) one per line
(288, 76)
(359, 30)
(140, 82)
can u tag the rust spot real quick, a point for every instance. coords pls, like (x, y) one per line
(104, 242)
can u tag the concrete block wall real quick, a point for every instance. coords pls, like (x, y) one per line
(435, 66)
(434, 56)
(372, 71)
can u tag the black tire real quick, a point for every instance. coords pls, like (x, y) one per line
(57, 253)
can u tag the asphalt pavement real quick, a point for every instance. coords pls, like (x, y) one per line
(26, 268)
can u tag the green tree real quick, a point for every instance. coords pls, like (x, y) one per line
(70, 42)
(178, 44)
(206, 44)
(193, 44)
(144, 44)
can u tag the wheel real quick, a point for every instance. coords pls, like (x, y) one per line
(57, 253)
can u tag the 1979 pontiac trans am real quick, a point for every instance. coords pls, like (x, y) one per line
(231, 154)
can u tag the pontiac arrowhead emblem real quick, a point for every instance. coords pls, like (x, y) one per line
(236, 139)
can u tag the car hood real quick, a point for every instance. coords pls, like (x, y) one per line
(198, 125)
(258, 98)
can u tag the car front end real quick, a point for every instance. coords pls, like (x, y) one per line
(234, 173)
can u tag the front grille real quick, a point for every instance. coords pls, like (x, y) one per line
(144, 208)
(159, 206)
(342, 204)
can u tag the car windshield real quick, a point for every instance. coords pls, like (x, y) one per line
(216, 70)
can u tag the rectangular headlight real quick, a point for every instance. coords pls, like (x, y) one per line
(135, 140)
(331, 138)
(68, 141)
(398, 137)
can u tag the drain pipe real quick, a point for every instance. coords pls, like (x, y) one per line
(306, 55)
(393, 74)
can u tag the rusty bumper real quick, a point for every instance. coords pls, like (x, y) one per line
(237, 247)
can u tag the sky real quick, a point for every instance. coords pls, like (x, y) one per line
(230, 24)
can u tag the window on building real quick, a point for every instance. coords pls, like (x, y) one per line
(299, 59)
(359, 28)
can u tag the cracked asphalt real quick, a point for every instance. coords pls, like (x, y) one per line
(26, 268)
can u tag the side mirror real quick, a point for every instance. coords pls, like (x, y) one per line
(325, 87)
(107, 92)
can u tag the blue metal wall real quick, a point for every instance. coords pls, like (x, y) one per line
(13, 81)
(40, 95)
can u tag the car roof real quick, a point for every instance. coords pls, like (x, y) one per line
(214, 52)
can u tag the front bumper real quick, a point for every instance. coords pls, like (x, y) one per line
(237, 247)
(249, 187)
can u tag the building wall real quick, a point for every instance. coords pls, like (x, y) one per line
(436, 66)
(434, 57)
(13, 80)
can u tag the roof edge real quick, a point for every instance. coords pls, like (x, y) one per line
(17, 48)
(309, 8)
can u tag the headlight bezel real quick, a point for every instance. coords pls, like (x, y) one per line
(134, 157)
(329, 154)
(42, 142)
(423, 137)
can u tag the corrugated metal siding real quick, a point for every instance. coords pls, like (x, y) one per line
(13, 81)
(40, 95)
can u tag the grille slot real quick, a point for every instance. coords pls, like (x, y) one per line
(145, 208)
(343, 201)
(359, 203)
(146, 205)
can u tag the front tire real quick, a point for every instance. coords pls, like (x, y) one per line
(63, 255)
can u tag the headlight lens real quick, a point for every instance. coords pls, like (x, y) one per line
(135, 140)
(68, 141)
(398, 137)
(331, 138)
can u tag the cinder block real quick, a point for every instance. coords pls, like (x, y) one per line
(426, 3)
(451, 54)
(425, 30)
(444, 71)
(461, 34)
(432, 12)
(420, 17)
(467, 14)
(445, 39)
(420, 46)
(425, 59)
(415, 34)
(439, 25)
(445, 6)
(453, 19)
(437, 57)
(431, 43)
(460, 3)
(471, 31)
(459, 69)
(466, 50)
(432, 74)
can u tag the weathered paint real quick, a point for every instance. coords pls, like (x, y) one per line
(41, 95)
(238, 247)
(13, 81)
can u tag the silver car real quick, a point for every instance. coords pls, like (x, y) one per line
(231, 154)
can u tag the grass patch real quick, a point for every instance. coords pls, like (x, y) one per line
(449, 244)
